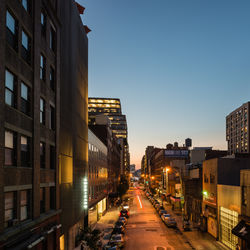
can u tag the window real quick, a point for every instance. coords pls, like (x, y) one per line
(9, 209)
(42, 67)
(26, 5)
(42, 155)
(25, 151)
(12, 30)
(52, 39)
(52, 118)
(205, 178)
(25, 99)
(42, 200)
(43, 24)
(42, 111)
(24, 205)
(26, 47)
(10, 148)
(52, 157)
(52, 78)
(244, 195)
(52, 191)
(10, 88)
(212, 178)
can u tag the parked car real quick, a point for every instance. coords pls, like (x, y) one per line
(171, 222)
(165, 217)
(124, 219)
(157, 206)
(118, 240)
(124, 213)
(162, 211)
(160, 208)
(120, 223)
(125, 206)
(109, 246)
(118, 230)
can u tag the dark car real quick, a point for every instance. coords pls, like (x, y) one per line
(120, 224)
(162, 211)
(118, 230)
(124, 213)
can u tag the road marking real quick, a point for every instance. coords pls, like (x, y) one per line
(139, 200)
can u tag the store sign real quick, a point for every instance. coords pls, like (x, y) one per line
(176, 153)
(85, 193)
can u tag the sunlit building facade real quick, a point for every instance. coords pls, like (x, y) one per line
(237, 130)
(110, 107)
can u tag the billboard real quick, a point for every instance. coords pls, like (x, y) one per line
(176, 153)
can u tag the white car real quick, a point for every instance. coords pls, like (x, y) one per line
(164, 217)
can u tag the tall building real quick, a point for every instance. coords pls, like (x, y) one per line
(73, 147)
(110, 107)
(237, 130)
(29, 118)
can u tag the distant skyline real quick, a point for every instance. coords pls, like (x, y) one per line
(178, 67)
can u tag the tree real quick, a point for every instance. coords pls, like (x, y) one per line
(123, 186)
(91, 237)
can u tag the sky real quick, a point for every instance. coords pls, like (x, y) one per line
(178, 66)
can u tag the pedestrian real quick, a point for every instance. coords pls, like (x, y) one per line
(237, 247)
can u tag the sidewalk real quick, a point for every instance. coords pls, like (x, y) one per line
(195, 238)
(108, 220)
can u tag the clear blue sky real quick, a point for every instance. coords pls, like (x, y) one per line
(178, 66)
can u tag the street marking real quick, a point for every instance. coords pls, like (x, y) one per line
(139, 200)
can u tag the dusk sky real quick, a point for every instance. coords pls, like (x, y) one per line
(178, 66)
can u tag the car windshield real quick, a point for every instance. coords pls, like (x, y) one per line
(166, 215)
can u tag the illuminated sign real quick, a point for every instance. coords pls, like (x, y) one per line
(85, 193)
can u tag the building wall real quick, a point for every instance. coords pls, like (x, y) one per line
(245, 184)
(73, 120)
(237, 129)
(32, 177)
(98, 169)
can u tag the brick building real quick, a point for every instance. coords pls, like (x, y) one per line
(29, 109)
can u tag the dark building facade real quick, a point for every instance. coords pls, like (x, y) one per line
(98, 178)
(73, 150)
(29, 118)
(237, 130)
(104, 133)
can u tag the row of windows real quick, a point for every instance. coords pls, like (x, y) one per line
(212, 178)
(12, 139)
(18, 207)
(11, 90)
(96, 190)
(12, 28)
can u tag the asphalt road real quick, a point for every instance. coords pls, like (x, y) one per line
(146, 231)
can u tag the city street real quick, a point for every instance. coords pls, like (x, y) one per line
(145, 230)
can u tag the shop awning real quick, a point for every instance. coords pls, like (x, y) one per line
(242, 230)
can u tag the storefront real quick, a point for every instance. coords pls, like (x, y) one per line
(228, 219)
(101, 207)
(96, 211)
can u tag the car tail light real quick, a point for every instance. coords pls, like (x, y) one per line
(120, 214)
